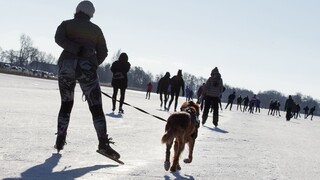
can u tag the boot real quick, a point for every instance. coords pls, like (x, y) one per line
(204, 119)
(104, 147)
(60, 142)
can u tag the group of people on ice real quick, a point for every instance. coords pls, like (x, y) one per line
(170, 87)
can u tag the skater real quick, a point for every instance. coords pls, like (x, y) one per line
(162, 89)
(239, 102)
(288, 108)
(306, 112)
(82, 54)
(149, 89)
(214, 89)
(252, 103)
(245, 103)
(201, 94)
(176, 83)
(258, 102)
(271, 107)
(187, 93)
(120, 68)
(231, 98)
(276, 108)
(311, 112)
(297, 113)
(190, 97)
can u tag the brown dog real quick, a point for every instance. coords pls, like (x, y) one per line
(183, 128)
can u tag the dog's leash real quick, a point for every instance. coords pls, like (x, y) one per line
(135, 107)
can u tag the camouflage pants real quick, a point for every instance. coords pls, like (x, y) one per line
(85, 72)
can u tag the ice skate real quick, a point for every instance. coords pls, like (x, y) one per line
(60, 142)
(105, 149)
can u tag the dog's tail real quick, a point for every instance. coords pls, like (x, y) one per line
(169, 134)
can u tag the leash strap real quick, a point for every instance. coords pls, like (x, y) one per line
(135, 107)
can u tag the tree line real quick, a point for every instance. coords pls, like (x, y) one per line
(138, 78)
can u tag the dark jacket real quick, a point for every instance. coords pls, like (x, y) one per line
(79, 33)
(214, 85)
(289, 104)
(176, 83)
(120, 68)
(163, 84)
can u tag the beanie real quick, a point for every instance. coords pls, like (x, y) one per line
(214, 71)
(86, 7)
(123, 57)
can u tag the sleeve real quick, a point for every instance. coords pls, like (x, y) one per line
(221, 88)
(62, 40)
(101, 47)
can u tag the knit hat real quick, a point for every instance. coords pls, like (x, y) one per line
(86, 7)
(214, 71)
(167, 74)
(123, 57)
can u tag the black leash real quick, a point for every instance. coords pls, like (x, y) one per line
(136, 108)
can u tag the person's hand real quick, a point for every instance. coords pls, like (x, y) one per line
(86, 51)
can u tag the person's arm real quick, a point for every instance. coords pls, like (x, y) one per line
(101, 47)
(63, 41)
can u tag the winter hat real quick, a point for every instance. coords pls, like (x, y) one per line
(214, 71)
(167, 74)
(86, 7)
(123, 57)
(179, 72)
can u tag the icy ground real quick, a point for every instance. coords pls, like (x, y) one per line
(245, 146)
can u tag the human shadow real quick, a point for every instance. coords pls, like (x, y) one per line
(217, 129)
(45, 171)
(114, 115)
(179, 177)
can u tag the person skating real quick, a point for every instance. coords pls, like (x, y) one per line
(271, 107)
(252, 103)
(258, 102)
(201, 94)
(239, 102)
(176, 83)
(288, 108)
(231, 98)
(120, 68)
(214, 89)
(162, 89)
(311, 112)
(306, 111)
(297, 113)
(245, 103)
(149, 89)
(84, 49)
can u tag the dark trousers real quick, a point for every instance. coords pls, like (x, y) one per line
(85, 72)
(166, 97)
(175, 96)
(114, 97)
(214, 102)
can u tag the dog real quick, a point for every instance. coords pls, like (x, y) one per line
(183, 128)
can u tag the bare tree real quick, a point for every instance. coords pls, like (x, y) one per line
(25, 48)
(116, 56)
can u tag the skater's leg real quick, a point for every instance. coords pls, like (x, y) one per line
(215, 105)
(176, 101)
(122, 97)
(207, 105)
(67, 83)
(114, 98)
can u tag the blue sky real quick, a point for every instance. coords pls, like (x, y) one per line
(256, 44)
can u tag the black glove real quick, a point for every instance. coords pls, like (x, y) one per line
(86, 51)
